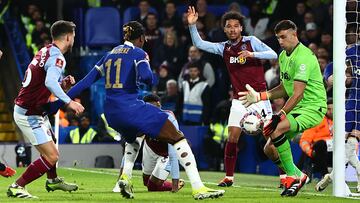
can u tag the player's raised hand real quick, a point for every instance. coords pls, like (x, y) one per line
(192, 15)
(67, 82)
(249, 97)
(76, 107)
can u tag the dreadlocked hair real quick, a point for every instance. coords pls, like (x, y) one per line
(133, 30)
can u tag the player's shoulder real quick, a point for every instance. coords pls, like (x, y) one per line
(54, 51)
(305, 53)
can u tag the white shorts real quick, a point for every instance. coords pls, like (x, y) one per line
(153, 164)
(238, 111)
(35, 128)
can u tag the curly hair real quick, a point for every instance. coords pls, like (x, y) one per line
(133, 30)
(232, 15)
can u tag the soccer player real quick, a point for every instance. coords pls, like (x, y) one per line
(124, 67)
(242, 56)
(352, 116)
(302, 82)
(40, 81)
(159, 158)
(6, 171)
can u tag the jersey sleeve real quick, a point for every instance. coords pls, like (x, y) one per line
(54, 68)
(303, 67)
(215, 48)
(261, 50)
(142, 66)
(100, 65)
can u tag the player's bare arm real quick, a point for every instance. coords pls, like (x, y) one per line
(299, 88)
(277, 92)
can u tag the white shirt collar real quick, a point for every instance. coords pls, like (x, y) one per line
(129, 44)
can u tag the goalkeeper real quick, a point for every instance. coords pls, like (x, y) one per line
(302, 82)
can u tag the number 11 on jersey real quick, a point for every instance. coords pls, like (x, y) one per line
(108, 66)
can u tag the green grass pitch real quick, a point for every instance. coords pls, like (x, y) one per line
(95, 185)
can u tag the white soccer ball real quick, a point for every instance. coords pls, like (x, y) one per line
(252, 123)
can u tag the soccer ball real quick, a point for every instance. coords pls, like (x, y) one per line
(252, 123)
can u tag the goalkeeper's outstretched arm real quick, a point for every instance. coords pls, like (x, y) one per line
(277, 92)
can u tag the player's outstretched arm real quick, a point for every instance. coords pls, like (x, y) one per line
(261, 50)
(86, 82)
(215, 48)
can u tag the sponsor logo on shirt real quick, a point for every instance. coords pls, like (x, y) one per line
(59, 63)
(285, 76)
(240, 60)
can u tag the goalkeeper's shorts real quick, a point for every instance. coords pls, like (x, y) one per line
(302, 118)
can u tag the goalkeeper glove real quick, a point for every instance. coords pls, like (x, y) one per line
(274, 121)
(251, 96)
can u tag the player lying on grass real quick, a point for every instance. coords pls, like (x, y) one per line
(159, 159)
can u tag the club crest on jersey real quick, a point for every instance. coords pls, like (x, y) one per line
(238, 59)
(59, 63)
(243, 47)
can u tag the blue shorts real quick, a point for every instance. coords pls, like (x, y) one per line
(352, 116)
(132, 117)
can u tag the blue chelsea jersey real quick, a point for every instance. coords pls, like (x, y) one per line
(353, 62)
(123, 68)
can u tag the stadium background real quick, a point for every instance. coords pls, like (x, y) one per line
(25, 28)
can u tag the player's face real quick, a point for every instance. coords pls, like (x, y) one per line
(233, 29)
(70, 40)
(287, 39)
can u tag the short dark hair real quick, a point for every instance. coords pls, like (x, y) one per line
(60, 28)
(133, 30)
(232, 15)
(195, 64)
(285, 25)
(151, 98)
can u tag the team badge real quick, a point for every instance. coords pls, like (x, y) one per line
(59, 63)
(243, 47)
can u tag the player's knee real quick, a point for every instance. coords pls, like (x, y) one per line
(52, 157)
(178, 136)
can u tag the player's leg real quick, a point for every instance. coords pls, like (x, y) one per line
(351, 155)
(171, 135)
(237, 112)
(296, 121)
(53, 182)
(34, 129)
(131, 152)
(272, 154)
(157, 180)
(149, 160)
(6, 171)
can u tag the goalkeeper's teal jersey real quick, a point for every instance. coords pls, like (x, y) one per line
(302, 65)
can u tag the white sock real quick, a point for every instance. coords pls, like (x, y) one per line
(187, 160)
(230, 177)
(130, 154)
